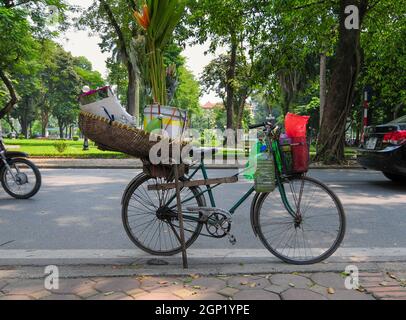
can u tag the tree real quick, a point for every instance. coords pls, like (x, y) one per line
(21, 22)
(188, 92)
(66, 86)
(211, 19)
(113, 21)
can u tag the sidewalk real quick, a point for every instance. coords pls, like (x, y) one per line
(295, 286)
(132, 163)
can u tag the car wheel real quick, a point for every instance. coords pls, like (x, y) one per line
(395, 177)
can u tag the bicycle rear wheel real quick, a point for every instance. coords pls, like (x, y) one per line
(150, 218)
(311, 232)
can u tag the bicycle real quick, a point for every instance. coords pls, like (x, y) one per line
(286, 227)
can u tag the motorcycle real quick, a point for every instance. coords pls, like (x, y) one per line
(19, 177)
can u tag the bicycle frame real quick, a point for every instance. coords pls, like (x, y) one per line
(273, 147)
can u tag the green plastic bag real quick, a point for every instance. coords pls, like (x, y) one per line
(251, 166)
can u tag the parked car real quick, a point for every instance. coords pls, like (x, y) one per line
(384, 149)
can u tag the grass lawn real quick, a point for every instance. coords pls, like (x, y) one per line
(45, 148)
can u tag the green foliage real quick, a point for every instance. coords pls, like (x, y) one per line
(61, 145)
(75, 138)
(159, 19)
(188, 92)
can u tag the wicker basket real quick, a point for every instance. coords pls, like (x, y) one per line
(114, 136)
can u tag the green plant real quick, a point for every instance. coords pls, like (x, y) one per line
(75, 138)
(61, 145)
(21, 136)
(159, 19)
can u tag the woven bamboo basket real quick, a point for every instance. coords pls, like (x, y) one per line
(115, 136)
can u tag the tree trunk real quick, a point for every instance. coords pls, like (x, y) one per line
(341, 91)
(230, 85)
(241, 110)
(133, 100)
(323, 84)
(13, 95)
(132, 92)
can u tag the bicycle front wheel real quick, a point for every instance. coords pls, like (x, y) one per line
(303, 223)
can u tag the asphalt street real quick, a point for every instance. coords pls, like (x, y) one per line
(81, 209)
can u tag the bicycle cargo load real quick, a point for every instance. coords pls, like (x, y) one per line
(294, 147)
(103, 103)
(171, 120)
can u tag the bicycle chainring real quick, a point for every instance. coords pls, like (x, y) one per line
(218, 225)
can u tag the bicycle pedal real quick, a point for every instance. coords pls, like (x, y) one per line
(232, 239)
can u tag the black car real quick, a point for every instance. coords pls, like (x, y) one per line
(384, 149)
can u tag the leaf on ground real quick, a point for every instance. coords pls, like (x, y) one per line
(360, 289)
(244, 283)
(197, 287)
(392, 276)
(109, 293)
(383, 283)
(253, 285)
(163, 282)
(292, 285)
(194, 276)
(331, 291)
(296, 273)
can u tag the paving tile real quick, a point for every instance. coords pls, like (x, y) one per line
(15, 297)
(113, 296)
(255, 295)
(349, 295)
(246, 283)
(56, 297)
(157, 296)
(136, 292)
(285, 280)
(209, 284)
(390, 294)
(73, 286)
(117, 285)
(202, 296)
(3, 283)
(150, 283)
(183, 293)
(329, 280)
(87, 293)
(301, 294)
(228, 292)
(40, 294)
(24, 287)
(387, 289)
(276, 289)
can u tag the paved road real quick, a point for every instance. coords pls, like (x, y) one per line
(80, 209)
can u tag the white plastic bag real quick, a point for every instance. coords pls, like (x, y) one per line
(102, 102)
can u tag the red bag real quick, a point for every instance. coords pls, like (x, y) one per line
(295, 125)
(300, 155)
(296, 129)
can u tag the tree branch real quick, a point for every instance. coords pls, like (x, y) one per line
(120, 35)
(13, 96)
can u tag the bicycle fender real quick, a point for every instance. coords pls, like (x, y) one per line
(15, 154)
(254, 222)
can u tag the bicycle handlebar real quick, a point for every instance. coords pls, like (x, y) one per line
(256, 126)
